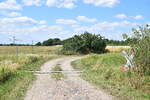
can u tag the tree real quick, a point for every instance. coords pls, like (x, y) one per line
(85, 43)
(38, 44)
(50, 42)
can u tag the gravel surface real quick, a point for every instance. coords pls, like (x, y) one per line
(70, 88)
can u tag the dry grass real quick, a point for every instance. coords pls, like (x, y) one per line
(28, 50)
(116, 49)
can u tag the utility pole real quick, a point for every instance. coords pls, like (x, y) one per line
(14, 43)
(32, 46)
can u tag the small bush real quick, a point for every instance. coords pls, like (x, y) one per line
(85, 43)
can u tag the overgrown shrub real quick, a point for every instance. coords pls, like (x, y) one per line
(85, 43)
(142, 49)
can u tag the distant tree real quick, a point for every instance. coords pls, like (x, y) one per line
(50, 42)
(38, 44)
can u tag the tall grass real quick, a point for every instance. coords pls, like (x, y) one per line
(14, 82)
(14, 78)
(104, 72)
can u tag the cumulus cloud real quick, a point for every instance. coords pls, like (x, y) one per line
(71, 3)
(66, 21)
(61, 3)
(104, 26)
(10, 5)
(103, 3)
(28, 27)
(86, 19)
(111, 30)
(10, 14)
(35, 28)
(121, 16)
(32, 2)
(10, 25)
(42, 22)
(138, 17)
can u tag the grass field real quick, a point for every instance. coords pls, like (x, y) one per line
(14, 80)
(104, 72)
(11, 50)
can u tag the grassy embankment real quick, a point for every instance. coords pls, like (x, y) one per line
(104, 72)
(14, 80)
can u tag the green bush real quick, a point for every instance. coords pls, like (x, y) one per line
(85, 43)
(51, 42)
(142, 49)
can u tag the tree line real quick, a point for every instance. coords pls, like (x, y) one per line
(57, 41)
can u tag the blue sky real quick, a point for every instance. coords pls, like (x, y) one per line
(39, 20)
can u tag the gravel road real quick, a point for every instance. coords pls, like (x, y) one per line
(70, 88)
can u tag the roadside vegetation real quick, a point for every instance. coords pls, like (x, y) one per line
(14, 76)
(58, 75)
(104, 71)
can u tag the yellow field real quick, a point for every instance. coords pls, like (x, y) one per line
(12, 50)
(46, 50)
(8, 54)
(115, 49)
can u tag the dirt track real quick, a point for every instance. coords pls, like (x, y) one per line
(71, 88)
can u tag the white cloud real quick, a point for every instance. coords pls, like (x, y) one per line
(42, 22)
(29, 27)
(61, 3)
(103, 3)
(14, 14)
(121, 16)
(111, 30)
(86, 19)
(23, 20)
(51, 3)
(10, 5)
(104, 26)
(35, 28)
(138, 17)
(66, 21)
(32, 2)
(10, 14)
